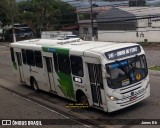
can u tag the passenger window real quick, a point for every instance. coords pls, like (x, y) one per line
(64, 63)
(49, 64)
(30, 57)
(18, 54)
(55, 61)
(77, 66)
(24, 56)
(91, 72)
(12, 54)
(38, 59)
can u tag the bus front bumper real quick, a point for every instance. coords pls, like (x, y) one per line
(123, 103)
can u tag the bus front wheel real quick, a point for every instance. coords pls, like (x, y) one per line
(81, 98)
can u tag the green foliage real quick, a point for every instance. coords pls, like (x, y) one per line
(157, 68)
(38, 14)
(47, 14)
(8, 11)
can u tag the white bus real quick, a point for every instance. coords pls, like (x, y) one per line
(84, 71)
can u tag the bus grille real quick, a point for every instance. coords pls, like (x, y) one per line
(135, 91)
(127, 101)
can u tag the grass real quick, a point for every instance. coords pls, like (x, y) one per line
(149, 43)
(157, 68)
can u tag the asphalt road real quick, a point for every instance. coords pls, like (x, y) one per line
(146, 109)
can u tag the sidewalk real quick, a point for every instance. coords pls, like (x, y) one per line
(14, 107)
(5, 43)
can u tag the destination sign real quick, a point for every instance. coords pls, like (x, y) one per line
(123, 52)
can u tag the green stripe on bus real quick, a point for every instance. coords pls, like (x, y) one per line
(66, 85)
(45, 49)
(62, 51)
(56, 50)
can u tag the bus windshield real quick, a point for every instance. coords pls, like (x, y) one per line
(126, 72)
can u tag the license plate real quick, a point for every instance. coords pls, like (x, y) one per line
(133, 98)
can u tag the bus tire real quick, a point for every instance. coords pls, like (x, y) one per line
(34, 85)
(81, 98)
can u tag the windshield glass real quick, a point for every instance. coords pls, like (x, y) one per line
(126, 72)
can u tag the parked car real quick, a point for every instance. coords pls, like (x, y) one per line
(71, 36)
(21, 33)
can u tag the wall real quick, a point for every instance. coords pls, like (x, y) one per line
(151, 34)
(147, 29)
(83, 35)
(54, 34)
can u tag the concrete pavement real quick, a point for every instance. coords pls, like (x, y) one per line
(153, 57)
(17, 108)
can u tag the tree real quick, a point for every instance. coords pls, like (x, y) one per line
(47, 15)
(8, 11)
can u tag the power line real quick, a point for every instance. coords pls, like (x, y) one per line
(122, 20)
(121, 31)
(133, 9)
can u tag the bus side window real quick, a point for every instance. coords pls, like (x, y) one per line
(77, 66)
(24, 56)
(49, 63)
(55, 61)
(12, 54)
(64, 63)
(30, 57)
(38, 59)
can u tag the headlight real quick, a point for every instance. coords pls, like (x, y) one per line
(113, 98)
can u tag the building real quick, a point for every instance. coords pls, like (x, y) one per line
(133, 24)
(86, 3)
(84, 21)
(84, 16)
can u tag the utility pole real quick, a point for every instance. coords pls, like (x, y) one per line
(92, 25)
(14, 37)
(13, 31)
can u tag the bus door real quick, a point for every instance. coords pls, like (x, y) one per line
(96, 83)
(49, 64)
(20, 66)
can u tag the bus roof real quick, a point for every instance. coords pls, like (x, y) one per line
(72, 44)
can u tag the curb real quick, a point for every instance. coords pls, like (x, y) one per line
(154, 73)
(4, 43)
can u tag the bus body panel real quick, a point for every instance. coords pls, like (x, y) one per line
(20, 68)
(113, 106)
(96, 89)
(93, 83)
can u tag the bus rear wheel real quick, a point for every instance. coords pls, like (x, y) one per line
(34, 85)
